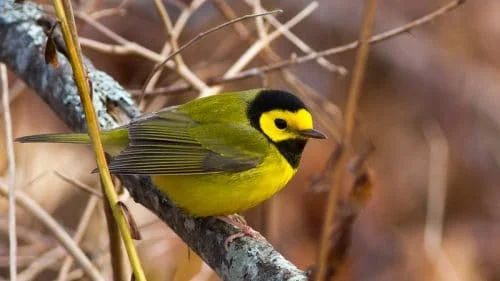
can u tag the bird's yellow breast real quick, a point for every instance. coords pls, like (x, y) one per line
(227, 193)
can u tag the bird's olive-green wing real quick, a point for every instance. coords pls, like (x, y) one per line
(170, 143)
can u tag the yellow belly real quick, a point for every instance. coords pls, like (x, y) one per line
(227, 193)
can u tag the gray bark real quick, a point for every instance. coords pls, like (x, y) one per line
(21, 49)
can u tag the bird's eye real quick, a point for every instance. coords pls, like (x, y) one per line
(280, 123)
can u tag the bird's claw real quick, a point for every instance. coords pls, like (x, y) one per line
(245, 230)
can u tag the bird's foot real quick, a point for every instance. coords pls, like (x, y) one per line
(240, 223)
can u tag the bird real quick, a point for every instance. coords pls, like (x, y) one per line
(212, 156)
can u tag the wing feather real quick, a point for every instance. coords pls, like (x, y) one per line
(170, 143)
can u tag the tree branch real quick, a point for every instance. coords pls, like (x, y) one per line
(21, 42)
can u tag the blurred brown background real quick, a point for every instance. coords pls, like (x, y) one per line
(429, 105)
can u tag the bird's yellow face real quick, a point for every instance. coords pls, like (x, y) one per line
(280, 125)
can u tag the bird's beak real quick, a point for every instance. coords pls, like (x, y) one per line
(311, 133)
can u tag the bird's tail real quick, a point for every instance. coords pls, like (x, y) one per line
(113, 140)
(58, 138)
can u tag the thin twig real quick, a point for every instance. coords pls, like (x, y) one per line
(115, 49)
(11, 178)
(118, 10)
(108, 12)
(259, 22)
(59, 233)
(169, 31)
(345, 145)
(199, 37)
(79, 184)
(77, 237)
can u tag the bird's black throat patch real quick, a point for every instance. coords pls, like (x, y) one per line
(291, 150)
(268, 100)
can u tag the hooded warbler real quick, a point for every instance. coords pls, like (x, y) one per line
(212, 156)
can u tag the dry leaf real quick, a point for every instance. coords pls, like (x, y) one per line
(134, 230)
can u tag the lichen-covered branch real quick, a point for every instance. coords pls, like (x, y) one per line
(21, 49)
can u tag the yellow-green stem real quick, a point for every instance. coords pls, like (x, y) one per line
(115, 245)
(64, 13)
